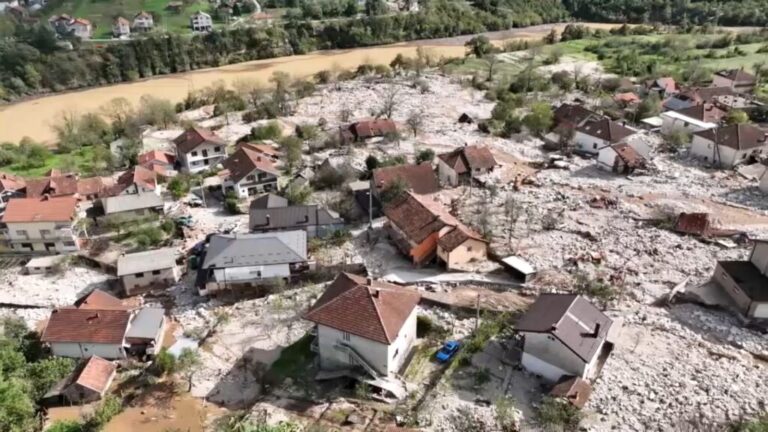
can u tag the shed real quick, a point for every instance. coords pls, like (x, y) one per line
(146, 331)
(519, 268)
(43, 264)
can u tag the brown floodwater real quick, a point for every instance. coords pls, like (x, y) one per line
(34, 117)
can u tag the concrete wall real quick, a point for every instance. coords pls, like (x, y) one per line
(551, 351)
(197, 162)
(401, 346)
(732, 288)
(464, 253)
(61, 242)
(764, 183)
(759, 310)
(377, 354)
(133, 283)
(271, 271)
(85, 350)
(446, 174)
(606, 159)
(588, 144)
(540, 367)
(759, 257)
(729, 157)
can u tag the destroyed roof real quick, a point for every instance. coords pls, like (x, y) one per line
(373, 128)
(575, 390)
(628, 155)
(268, 201)
(606, 130)
(469, 157)
(667, 84)
(11, 182)
(705, 112)
(40, 209)
(737, 75)
(572, 113)
(146, 261)
(299, 217)
(138, 175)
(156, 156)
(123, 203)
(419, 217)
(703, 94)
(264, 148)
(420, 178)
(194, 136)
(53, 186)
(570, 318)
(242, 250)
(99, 326)
(749, 279)
(99, 299)
(94, 373)
(692, 223)
(245, 161)
(370, 309)
(739, 136)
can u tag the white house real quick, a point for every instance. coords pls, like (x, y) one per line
(564, 335)
(81, 28)
(199, 149)
(136, 181)
(619, 158)
(464, 164)
(735, 144)
(121, 27)
(41, 224)
(85, 332)
(252, 260)
(249, 173)
(143, 270)
(365, 324)
(593, 135)
(133, 206)
(143, 22)
(746, 282)
(675, 121)
(201, 22)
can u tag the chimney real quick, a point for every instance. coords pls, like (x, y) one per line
(268, 220)
(375, 293)
(368, 281)
(596, 332)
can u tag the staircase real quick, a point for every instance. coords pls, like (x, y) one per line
(360, 360)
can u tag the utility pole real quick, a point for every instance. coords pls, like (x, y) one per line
(477, 312)
(202, 192)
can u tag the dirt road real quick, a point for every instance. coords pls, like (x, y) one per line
(34, 117)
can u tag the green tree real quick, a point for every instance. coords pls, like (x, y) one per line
(375, 7)
(65, 426)
(479, 46)
(298, 194)
(187, 364)
(17, 411)
(180, 185)
(540, 119)
(649, 107)
(291, 147)
(156, 112)
(393, 191)
(736, 116)
(425, 155)
(269, 131)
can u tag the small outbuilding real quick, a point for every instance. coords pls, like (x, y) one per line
(519, 268)
(43, 264)
(88, 383)
(141, 271)
(746, 282)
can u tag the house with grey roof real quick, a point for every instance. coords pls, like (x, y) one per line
(564, 335)
(252, 260)
(146, 332)
(140, 272)
(272, 213)
(134, 206)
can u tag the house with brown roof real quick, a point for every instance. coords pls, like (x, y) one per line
(664, 87)
(138, 180)
(569, 116)
(58, 184)
(10, 186)
(465, 163)
(199, 149)
(45, 225)
(620, 158)
(729, 146)
(738, 80)
(692, 96)
(265, 148)
(746, 282)
(87, 383)
(420, 179)
(365, 129)
(121, 27)
(143, 22)
(161, 162)
(364, 324)
(692, 119)
(423, 230)
(249, 173)
(593, 135)
(564, 335)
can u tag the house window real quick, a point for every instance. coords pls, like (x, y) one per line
(397, 351)
(262, 176)
(469, 248)
(155, 272)
(69, 244)
(138, 275)
(217, 149)
(594, 146)
(250, 178)
(22, 233)
(346, 336)
(194, 153)
(27, 246)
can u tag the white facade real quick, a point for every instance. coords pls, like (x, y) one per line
(446, 174)
(202, 157)
(587, 143)
(225, 278)
(201, 22)
(673, 121)
(759, 257)
(385, 359)
(51, 237)
(136, 282)
(81, 30)
(764, 182)
(85, 350)
(143, 22)
(545, 355)
(728, 157)
(255, 183)
(121, 27)
(606, 158)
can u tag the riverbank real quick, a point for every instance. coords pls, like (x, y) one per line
(34, 117)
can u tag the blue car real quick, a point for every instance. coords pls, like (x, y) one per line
(447, 352)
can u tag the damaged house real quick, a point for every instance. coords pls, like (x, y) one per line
(88, 383)
(365, 129)
(564, 335)
(593, 135)
(620, 158)
(251, 260)
(270, 213)
(420, 179)
(423, 230)
(729, 146)
(746, 282)
(464, 164)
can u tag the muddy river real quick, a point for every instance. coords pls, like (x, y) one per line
(34, 117)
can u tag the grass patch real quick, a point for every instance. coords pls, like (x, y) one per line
(81, 158)
(419, 361)
(294, 360)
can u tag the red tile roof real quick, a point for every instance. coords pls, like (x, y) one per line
(420, 178)
(629, 155)
(40, 209)
(194, 136)
(62, 185)
(372, 128)
(138, 175)
(575, 390)
(95, 374)
(469, 157)
(263, 148)
(667, 84)
(737, 75)
(244, 161)
(156, 156)
(369, 309)
(10, 182)
(103, 326)
(705, 112)
(693, 223)
(99, 299)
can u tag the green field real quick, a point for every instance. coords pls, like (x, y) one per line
(82, 159)
(102, 12)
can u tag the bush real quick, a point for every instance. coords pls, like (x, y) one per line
(109, 407)
(270, 131)
(556, 414)
(426, 327)
(164, 364)
(65, 426)
(425, 155)
(231, 204)
(148, 236)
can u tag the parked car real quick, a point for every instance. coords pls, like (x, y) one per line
(447, 352)
(194, 201)
(185, 221)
